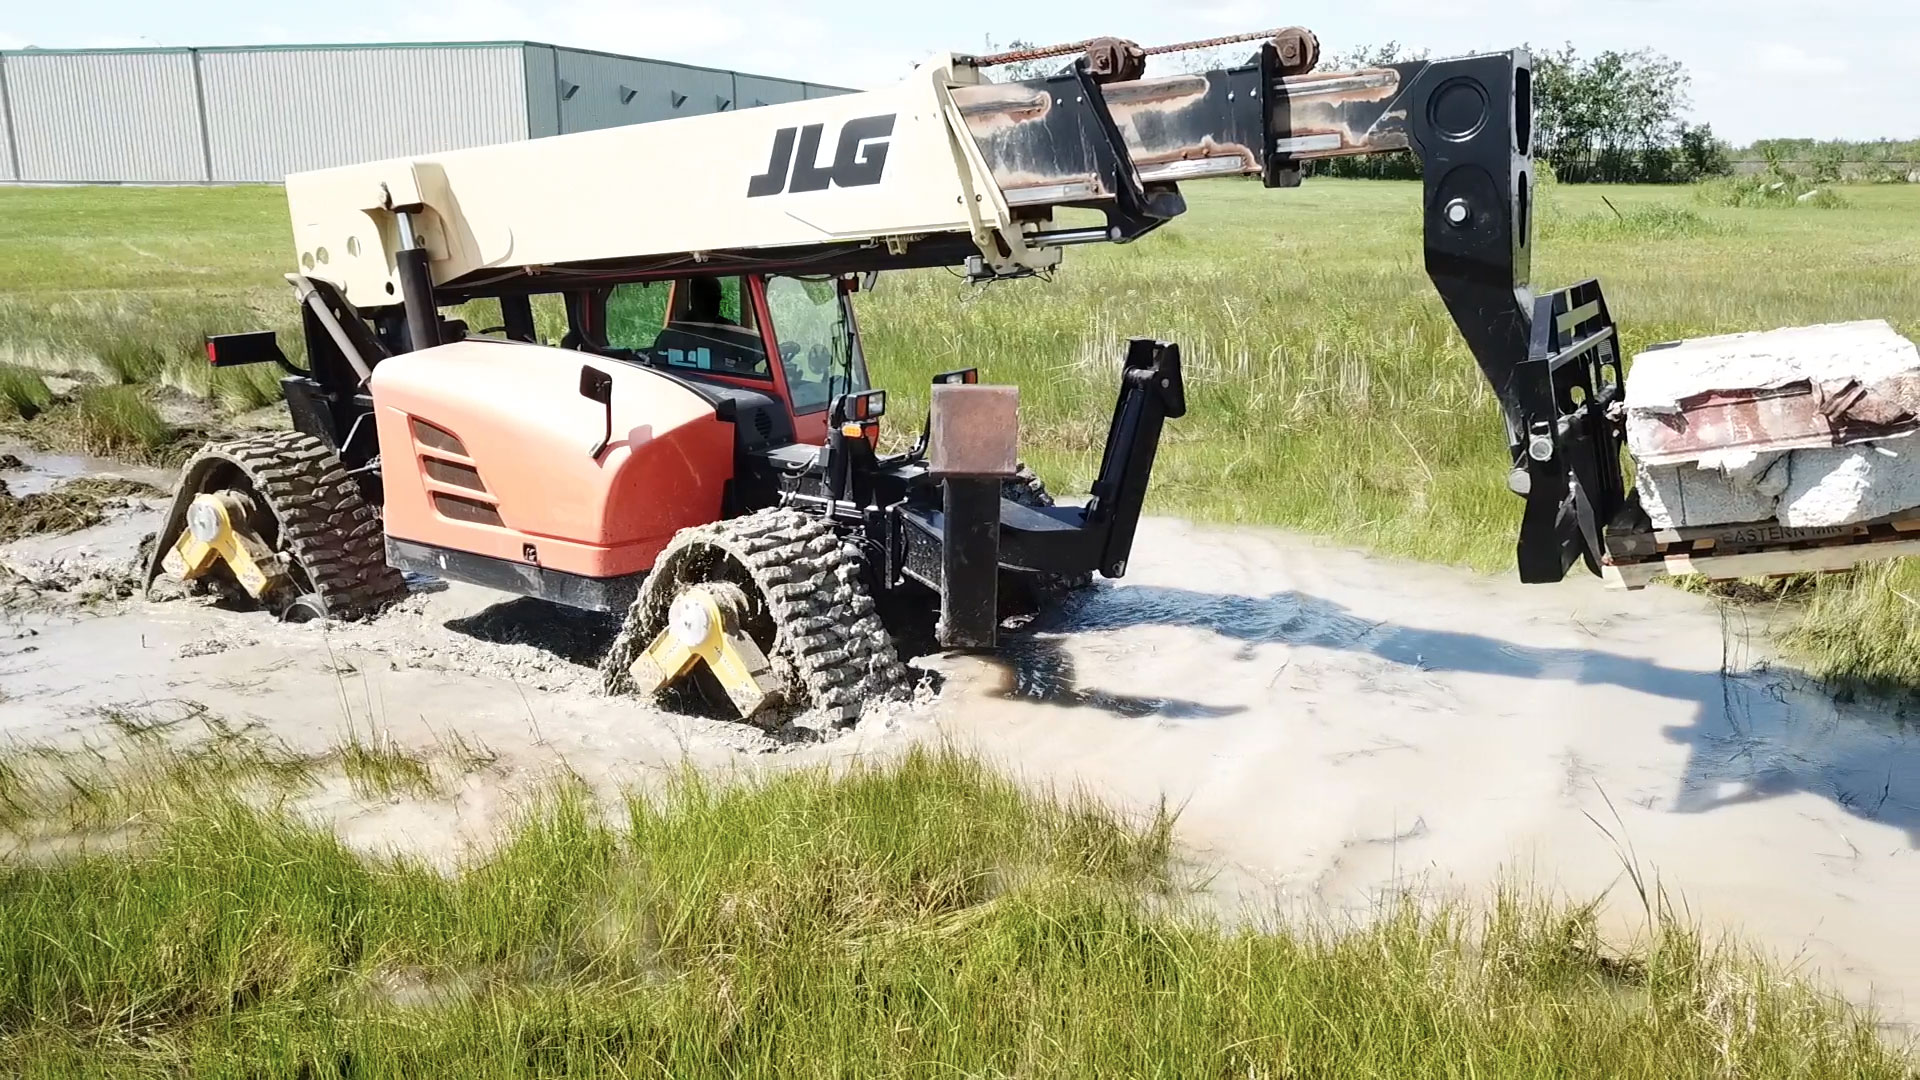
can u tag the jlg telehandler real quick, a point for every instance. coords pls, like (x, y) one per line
(673, 417)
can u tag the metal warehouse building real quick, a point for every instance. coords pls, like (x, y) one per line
(237, 115)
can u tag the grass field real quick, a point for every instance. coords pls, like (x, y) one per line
(922, 918)
(1329, 390)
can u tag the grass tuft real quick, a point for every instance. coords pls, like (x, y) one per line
(1862, 632)
(379, 768)
(23, 393)
(148, 776)
(111, 421)
(1659, 221)
(920, 917)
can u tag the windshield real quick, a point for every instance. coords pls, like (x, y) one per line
(708, 327)
(818, 350)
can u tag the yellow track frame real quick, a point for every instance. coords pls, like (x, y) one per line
(211, 538)
(703, 627)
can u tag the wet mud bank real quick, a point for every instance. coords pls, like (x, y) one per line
(1332, 728)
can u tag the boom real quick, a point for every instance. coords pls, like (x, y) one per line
(948, 169)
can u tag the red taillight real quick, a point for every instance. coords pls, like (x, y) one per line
(212, 358)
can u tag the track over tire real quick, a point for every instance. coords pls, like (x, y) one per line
(811, 612)
(310, 510)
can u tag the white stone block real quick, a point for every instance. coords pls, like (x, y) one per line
(1870, 351)
(1850, 484)
(1688, 495)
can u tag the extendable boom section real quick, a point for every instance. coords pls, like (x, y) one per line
(947, 169)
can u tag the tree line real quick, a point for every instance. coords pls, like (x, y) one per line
(1613, 117)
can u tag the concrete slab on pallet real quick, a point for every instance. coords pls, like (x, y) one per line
(1809, 426)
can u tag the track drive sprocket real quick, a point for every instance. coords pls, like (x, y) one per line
(809, 609)
(307, 509)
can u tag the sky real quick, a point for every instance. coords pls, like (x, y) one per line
(1761, 68)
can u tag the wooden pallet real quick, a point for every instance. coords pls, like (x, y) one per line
(1637, 553)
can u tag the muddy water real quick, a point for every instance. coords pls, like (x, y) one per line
(1334, 727)
(44, 471)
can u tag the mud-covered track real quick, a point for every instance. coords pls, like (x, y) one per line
(820, 628)
(316, 517)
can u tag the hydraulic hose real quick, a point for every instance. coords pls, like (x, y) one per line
(310, 296)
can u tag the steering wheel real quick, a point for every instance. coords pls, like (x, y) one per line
(819, 362)
(789, 350)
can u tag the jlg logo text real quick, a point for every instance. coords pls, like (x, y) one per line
(858, 161)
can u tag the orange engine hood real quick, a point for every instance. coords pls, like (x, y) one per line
(486, 448)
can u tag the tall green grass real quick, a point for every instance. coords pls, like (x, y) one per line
(1862, 631)
(923, 917)
(112, 421)
(23, 393)
(137, 340)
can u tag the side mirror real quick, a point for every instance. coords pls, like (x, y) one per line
(859, 408)
(597, 386)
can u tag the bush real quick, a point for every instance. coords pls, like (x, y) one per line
(1702, 156)
(1771, 189)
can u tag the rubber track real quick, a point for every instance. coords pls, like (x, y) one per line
(1026, 488)
(830, 647)
(325, 527)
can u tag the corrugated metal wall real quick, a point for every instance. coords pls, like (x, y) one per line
(587, 91)
(270, 113)
(754, 90)
(543, 103)
(9, 170)
(110, 116)
(240, 115)
(597, 91)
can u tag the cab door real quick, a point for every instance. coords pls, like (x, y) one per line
(812, 334)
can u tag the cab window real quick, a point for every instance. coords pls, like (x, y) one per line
(818, 351)
(694, 325)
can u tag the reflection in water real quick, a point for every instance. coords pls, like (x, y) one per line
(1754, 735)
(41, 472)
(1040, 669)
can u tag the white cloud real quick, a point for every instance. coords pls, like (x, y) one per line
(1235, 15)
(1781, 58)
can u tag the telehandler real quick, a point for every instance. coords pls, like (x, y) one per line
(673, 417)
